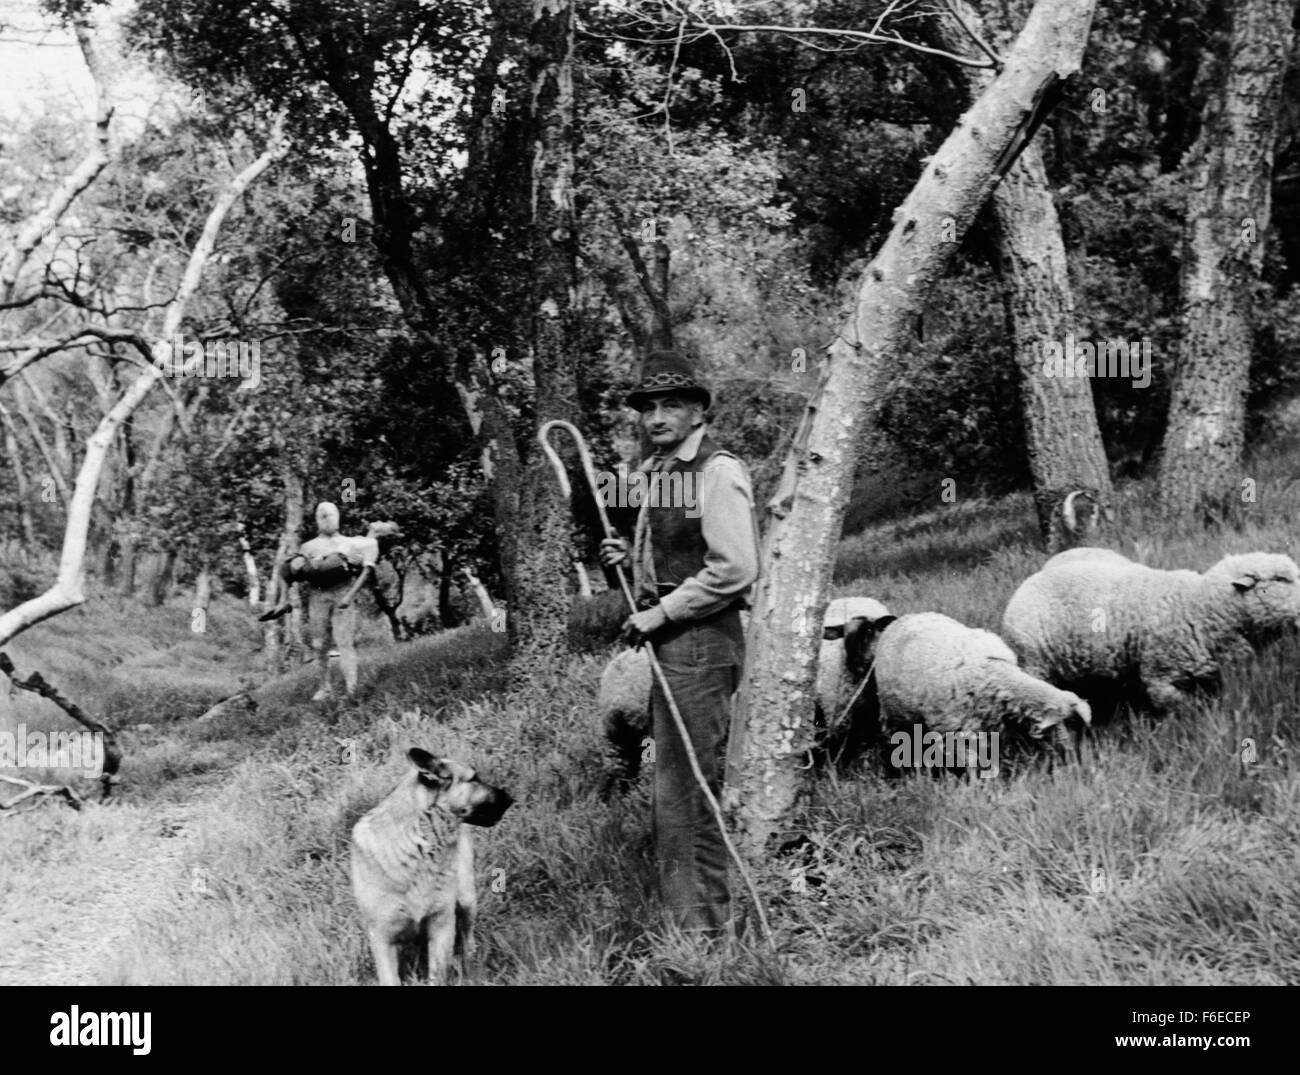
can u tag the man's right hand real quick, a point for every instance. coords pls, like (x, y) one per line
(613, 551)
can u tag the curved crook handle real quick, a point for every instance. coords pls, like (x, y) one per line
(589, 472)
(588, 467)
(557, 464)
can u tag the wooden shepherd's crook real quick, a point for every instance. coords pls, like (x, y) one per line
(589, 471)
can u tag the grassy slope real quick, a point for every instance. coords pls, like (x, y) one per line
(225, 859)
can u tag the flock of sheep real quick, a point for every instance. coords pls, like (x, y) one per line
(1090, 624)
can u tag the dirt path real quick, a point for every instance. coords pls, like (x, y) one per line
(73, 922)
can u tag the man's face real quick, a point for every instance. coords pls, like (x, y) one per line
(327, 519)
(669, 419)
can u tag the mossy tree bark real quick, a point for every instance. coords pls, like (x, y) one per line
(539, 605)
(771, 729)
(1061, 432)
(1229, 173)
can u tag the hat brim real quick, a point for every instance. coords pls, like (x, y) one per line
(635, 400)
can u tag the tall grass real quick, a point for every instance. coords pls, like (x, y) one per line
(1160, 858)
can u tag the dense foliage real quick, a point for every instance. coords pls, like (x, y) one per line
(767, 191)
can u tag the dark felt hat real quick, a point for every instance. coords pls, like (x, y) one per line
(668, 371)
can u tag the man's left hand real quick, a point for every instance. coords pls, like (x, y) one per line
(638, 627)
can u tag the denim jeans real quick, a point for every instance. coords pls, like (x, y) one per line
(702, 662)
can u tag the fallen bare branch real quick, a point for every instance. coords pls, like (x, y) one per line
(36, 684)
(31, 791)
(224, 706)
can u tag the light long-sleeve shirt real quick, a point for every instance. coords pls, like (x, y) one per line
(727, 522)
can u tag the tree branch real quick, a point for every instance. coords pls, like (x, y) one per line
(40, 225)
(67, 591)
(877, 35)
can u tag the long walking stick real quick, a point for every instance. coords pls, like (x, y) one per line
(589, 472)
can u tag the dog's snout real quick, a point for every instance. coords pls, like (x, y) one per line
(487, 811)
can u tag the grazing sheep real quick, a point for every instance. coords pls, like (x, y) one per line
(1094, 620)
(850, 628)
(624, 705)
(950, 678)
(1070, 516)
(1088, 554)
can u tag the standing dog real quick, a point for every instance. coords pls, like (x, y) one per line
(413, 863)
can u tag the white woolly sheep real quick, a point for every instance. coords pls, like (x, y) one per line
(850, 627)
(932, 670)
(1094, 620)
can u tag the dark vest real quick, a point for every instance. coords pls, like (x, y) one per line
(676, 538)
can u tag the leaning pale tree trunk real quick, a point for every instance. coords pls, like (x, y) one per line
(68, 589)
(1230, 174)
(771, 727)
(538, 602)
(1062, 438)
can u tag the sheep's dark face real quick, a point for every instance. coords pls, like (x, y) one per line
(860, 638)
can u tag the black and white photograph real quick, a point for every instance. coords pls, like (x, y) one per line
(577, 493)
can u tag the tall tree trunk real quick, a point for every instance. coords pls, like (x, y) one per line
(394, 222)
(1230, 175)
(662, 325)
(654, 282)
(128, 553)
(160, 567)
(771, 728)
(203, 587)
(447, 617)
(20, 479)
(53, 469)
(538, 597)
(253, 579)
(1060, 421)
(61, 427)
(277, 590)
(485, 603)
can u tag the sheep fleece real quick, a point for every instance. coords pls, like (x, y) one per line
(938, 672)
(624, 698)
(1092, 614)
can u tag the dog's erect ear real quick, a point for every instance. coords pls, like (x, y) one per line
(434, 770)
